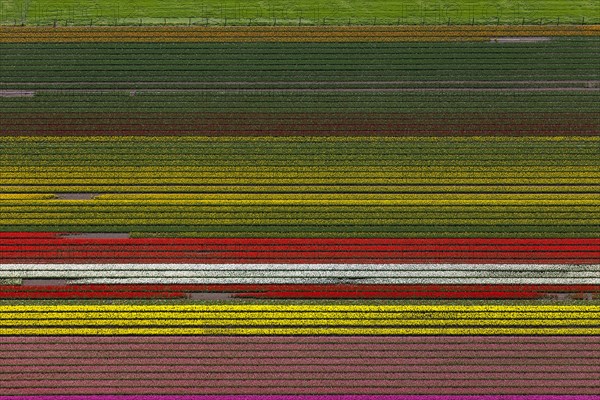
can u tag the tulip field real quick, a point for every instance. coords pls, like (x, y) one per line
(283, 200)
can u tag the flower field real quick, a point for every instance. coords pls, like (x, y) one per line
(336, 34)
(321, 200)
(248, 319)
(245, 186)
(301, 89)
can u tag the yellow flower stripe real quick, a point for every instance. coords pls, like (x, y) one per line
(353, 197)
(179, 191)
(167, 207)
(300, 216)
(583, 205)
(243, 319)
(357, 173)
(194, 315)
(435, 199)
(375, 180)
(235, 177)
(362, 322)
(283, 34)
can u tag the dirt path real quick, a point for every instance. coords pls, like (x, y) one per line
(17, 93)
(96, 236)
(520, 39)
(76, 196)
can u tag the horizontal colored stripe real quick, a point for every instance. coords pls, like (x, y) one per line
(366, 268)
(374, 101)
(174, 256)
(465, 280)
(52, 238)
(208, 356)
(298, 319)
(281, 34)
(303, 13)
(259, 385)
(290, 273)
(239, 124)
(18, 248)
(43, 343)
(298, 308)
(483, 341)
(338, 291)
(307, 397)
(304, 366)
(583, 389)
(299, 364)
(140, 69)
(236, 318)
(102, 379)
(304, 331)
(527, 140)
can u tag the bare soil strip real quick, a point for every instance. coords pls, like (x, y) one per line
(210, 296)
(91, 235)
(17, 93)
(520, 39)
(44, 282)
(76, 196)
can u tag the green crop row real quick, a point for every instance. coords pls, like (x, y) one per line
(506, 140)
(267, 50)
(190, 160)
(299, 12)
(317, 159)
(314, 147)
(299, 182)
(339, 220)
(559, 59)
(172, 159)
(227, 174)
(235, 101)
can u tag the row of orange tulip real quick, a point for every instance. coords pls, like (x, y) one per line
(285, 34)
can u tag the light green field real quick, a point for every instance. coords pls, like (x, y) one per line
(297, 12)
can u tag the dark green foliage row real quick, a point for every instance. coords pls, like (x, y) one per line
(558, 59)
(278, 101)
